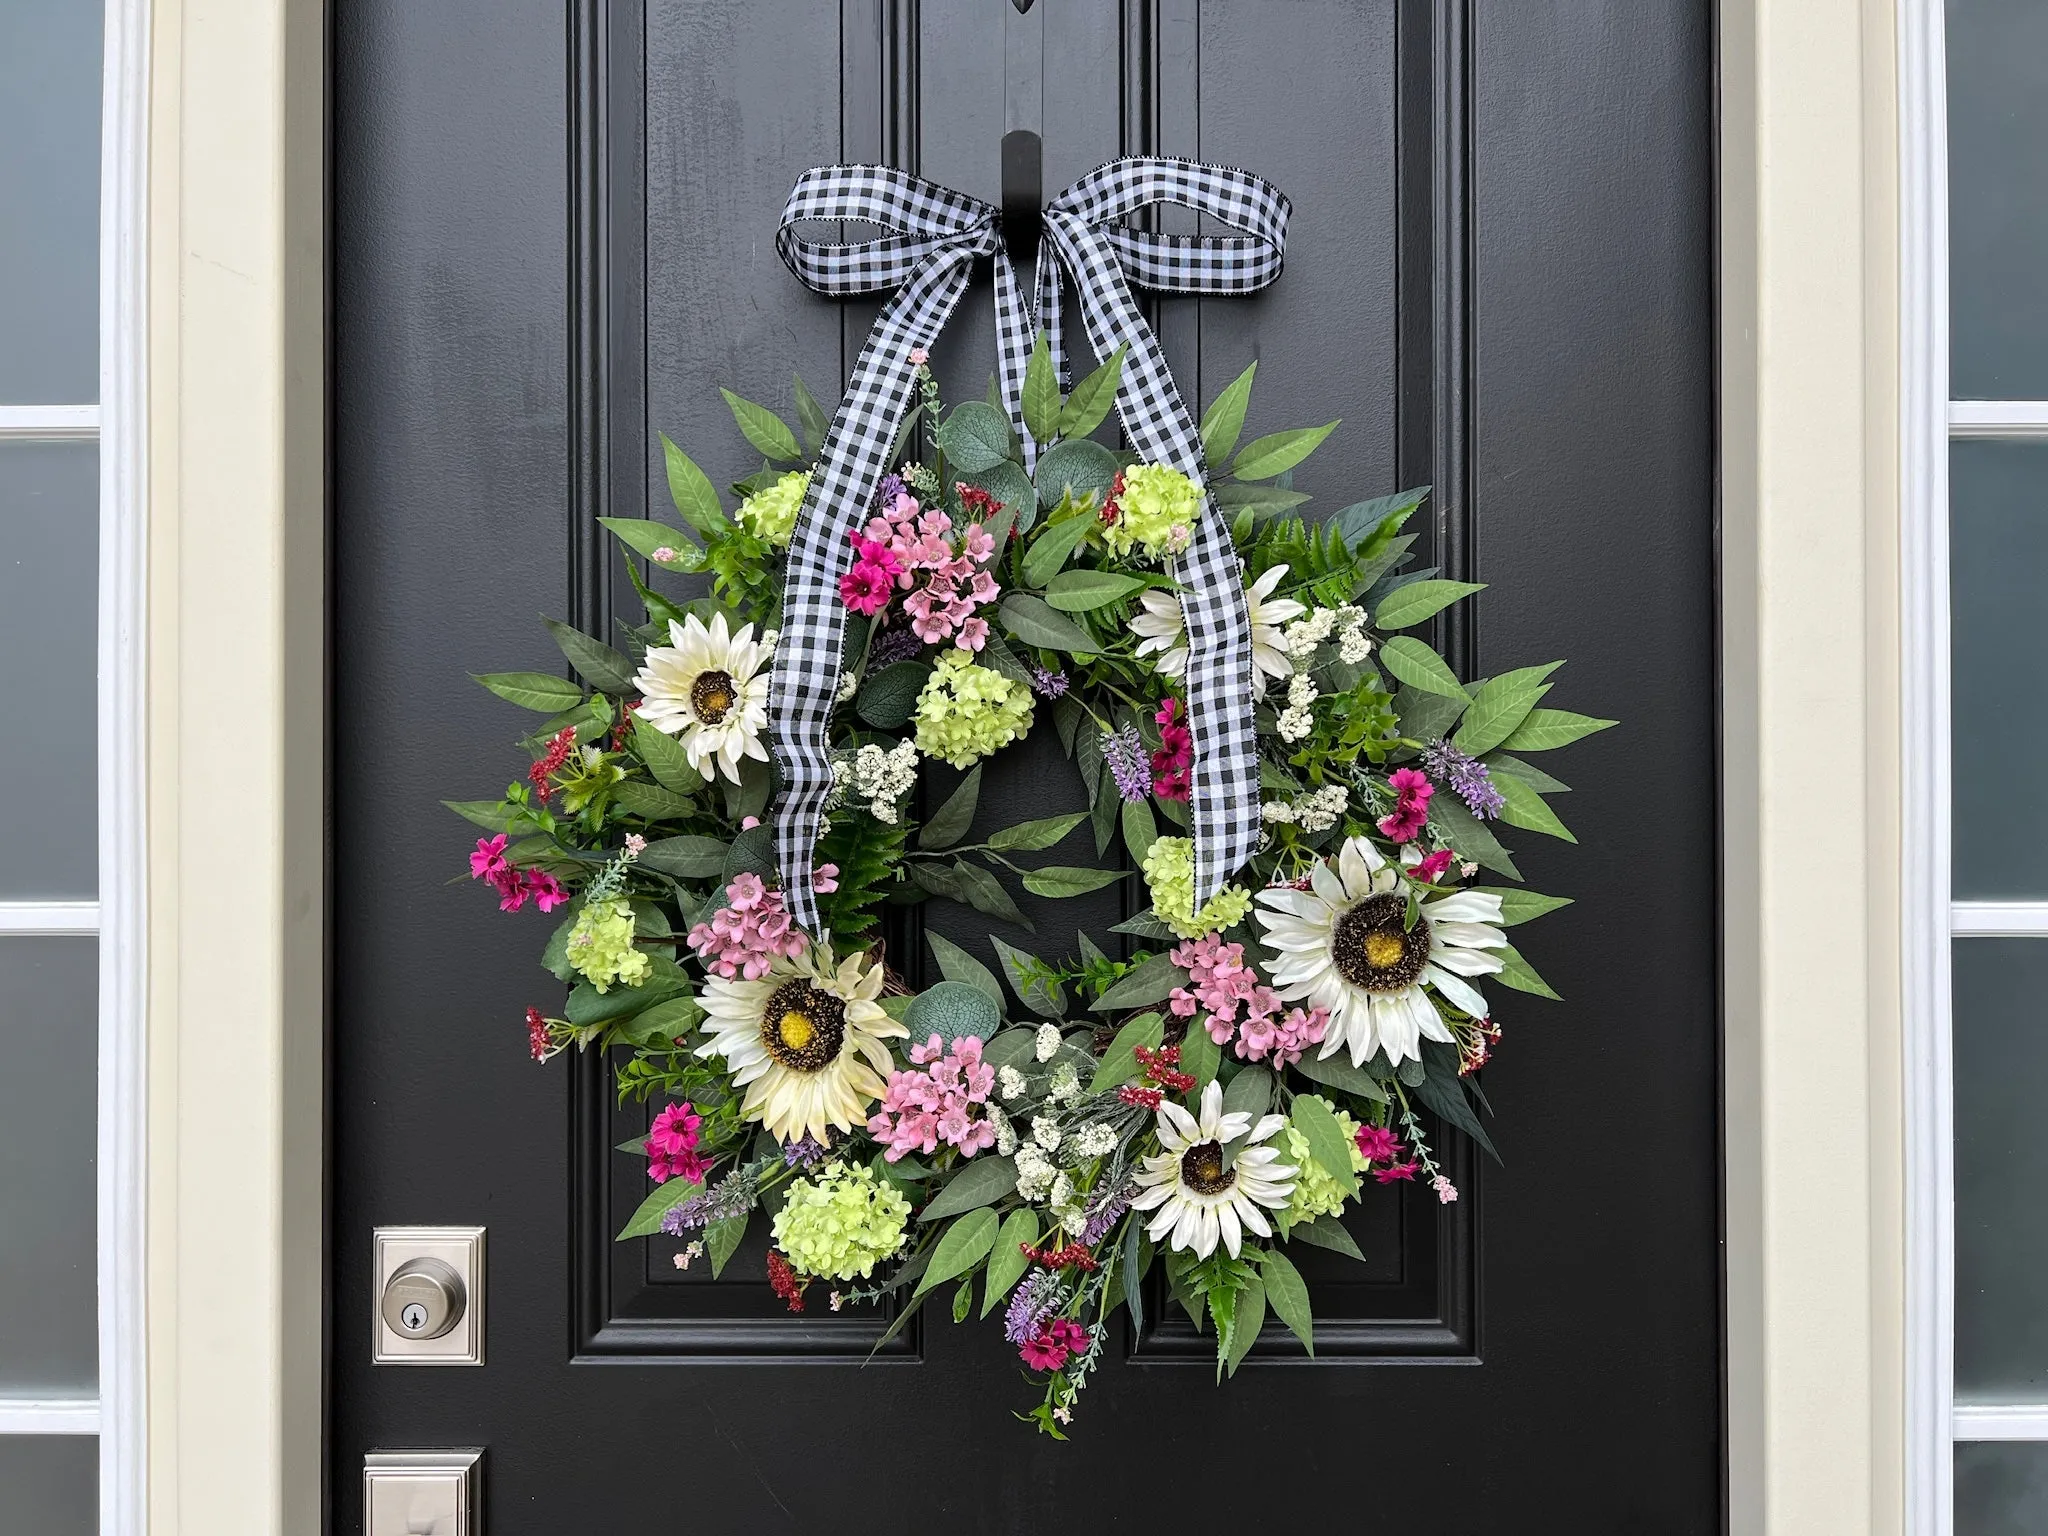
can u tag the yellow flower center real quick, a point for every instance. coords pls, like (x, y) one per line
(1383, 950)
(1374, 949)
(795, 1030)
(803, 1027)
(712, 696)
(1202, 1170)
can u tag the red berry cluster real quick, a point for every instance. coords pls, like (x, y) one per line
(625, 724)
(1072, 1256)
(976, 501)
(784, 1281)
(1110, 510)
(1475, 1045)
(537, 1034)
(543, 772)
(1140, 1098)
(1160, 1067)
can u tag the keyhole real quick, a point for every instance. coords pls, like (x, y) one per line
(414, 1317)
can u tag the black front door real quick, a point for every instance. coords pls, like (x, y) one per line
(553, 239)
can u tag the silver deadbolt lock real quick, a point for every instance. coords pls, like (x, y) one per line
(423, 1299)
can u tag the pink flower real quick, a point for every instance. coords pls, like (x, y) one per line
(1410, 815)
(488, 859)
(672, 1145)
(748, 823)
(825, 879)
(1176, 755)
(511, 888)
(635, 845)
(1431, 869)
(919, 357)
(547, 892)
(665, 553)
(1379, 1144)
(1398, 1171)
(924, 1109)
(865, 589)
(748, 934)
(1446, 1191)
(1058, 1339)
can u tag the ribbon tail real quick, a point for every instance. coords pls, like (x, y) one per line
(1013, 351)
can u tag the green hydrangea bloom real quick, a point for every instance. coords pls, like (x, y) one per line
(1316, 1190)
(771, 514)
(601, 944)
(842, 1223)
(1170, 876)
(1157, 510)
(966, 711)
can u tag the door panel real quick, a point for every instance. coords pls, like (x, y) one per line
(554, 239)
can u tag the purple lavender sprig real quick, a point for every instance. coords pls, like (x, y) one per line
(893, 645)
(732, 1195)
(1124, 750)
(1045, 682)
(1035, 1301)
(1105, 1209)
(1467, 777)
(805, 1152)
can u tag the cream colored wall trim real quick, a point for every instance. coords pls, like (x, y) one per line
(1810, 614)
(236, 699)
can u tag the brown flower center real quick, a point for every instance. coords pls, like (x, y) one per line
(1371, 948)
(803, 1027)
(1202, 1170)
(713, 695)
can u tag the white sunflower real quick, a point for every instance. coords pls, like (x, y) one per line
(1197, 1198)
(709, 691)
(806, 1042)
(1163, 631)
(1343, 946)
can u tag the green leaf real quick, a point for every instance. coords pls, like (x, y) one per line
(1061, 880)
(1419, 667)
(491, 815)
(1140, 830)
(984, 892)
(1135, 1257)
(1469, 837)
(1089, 404)
(1259, 500)
(1032, 836)
(538, 691)
(952, 819)
(1527, 809)
(975, 437)
(650, 802)
(663, 1198)
(1500, 705)
(687, 857)
(965, 1244)
(1038, 991)
(811, 417)
(1201, 1057)
(1223, 422)
(722, 1240)
(1245, 1323)
(1041, 393)
(1050, 549)
(1443, 1092)
(664, 1023)
(1076, 467)
(1120, 1062)
(767, 431)
(1031, 621)
(1419, 600)
(1083, 591)
(1249, 1093)
(588, 1006)
(691, 490)
(644, 538)
(665, 759)
(1363, 521)
(983, 1181)
(1006, 1261)
(1326, 1232)
(1543, 729)
(1519, 906)
(1148, 984)
(952, 1010)
(1338, 1072)
(1146, 925)
(1289, 1296)
(956, 964)
(1278, 452)
(1327, 1143)
(888, 698)
(1499, 763)
(1521, 975)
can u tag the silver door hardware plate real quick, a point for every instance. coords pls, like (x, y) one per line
(423, 1493)
(427, 1296)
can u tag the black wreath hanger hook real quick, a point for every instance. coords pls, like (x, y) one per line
(1023, 189)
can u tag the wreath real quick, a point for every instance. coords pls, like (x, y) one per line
(1033, 1131)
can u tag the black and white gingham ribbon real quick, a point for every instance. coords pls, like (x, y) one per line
(934, 235)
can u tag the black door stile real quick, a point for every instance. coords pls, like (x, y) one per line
(512, 329)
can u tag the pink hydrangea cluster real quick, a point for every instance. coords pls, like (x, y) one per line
(1410, 814)
(672, 1145)
(921, 1109)
(919, 552)
(1174, 760)
(514, 885)
(1222, 983)
(749, 934)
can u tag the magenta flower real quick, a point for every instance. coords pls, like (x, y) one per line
(548, 893)
(1175, 758)
(488, 859)
(1410, 815)
(672, 1145)
(1378, 1144)
(1049, 1348)
(1431, 869)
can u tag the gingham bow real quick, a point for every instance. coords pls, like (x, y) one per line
(934, 237)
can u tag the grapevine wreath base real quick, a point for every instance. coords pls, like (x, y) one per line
(1035, 1131)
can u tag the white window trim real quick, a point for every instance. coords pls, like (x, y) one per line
(49, 423)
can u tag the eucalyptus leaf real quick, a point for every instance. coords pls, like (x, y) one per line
(1008, 483)
(975, 437)
(1076, 467)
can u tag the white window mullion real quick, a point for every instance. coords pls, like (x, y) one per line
(1998, 919)
(49, 423)
(45, 918)
(49, 1416)
(2012, 419)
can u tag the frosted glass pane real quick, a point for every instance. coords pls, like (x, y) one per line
(48, 1040)
(2001, 1488)
(49, 201)
(49, 588)
(1998, 501)
(49, 1484)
